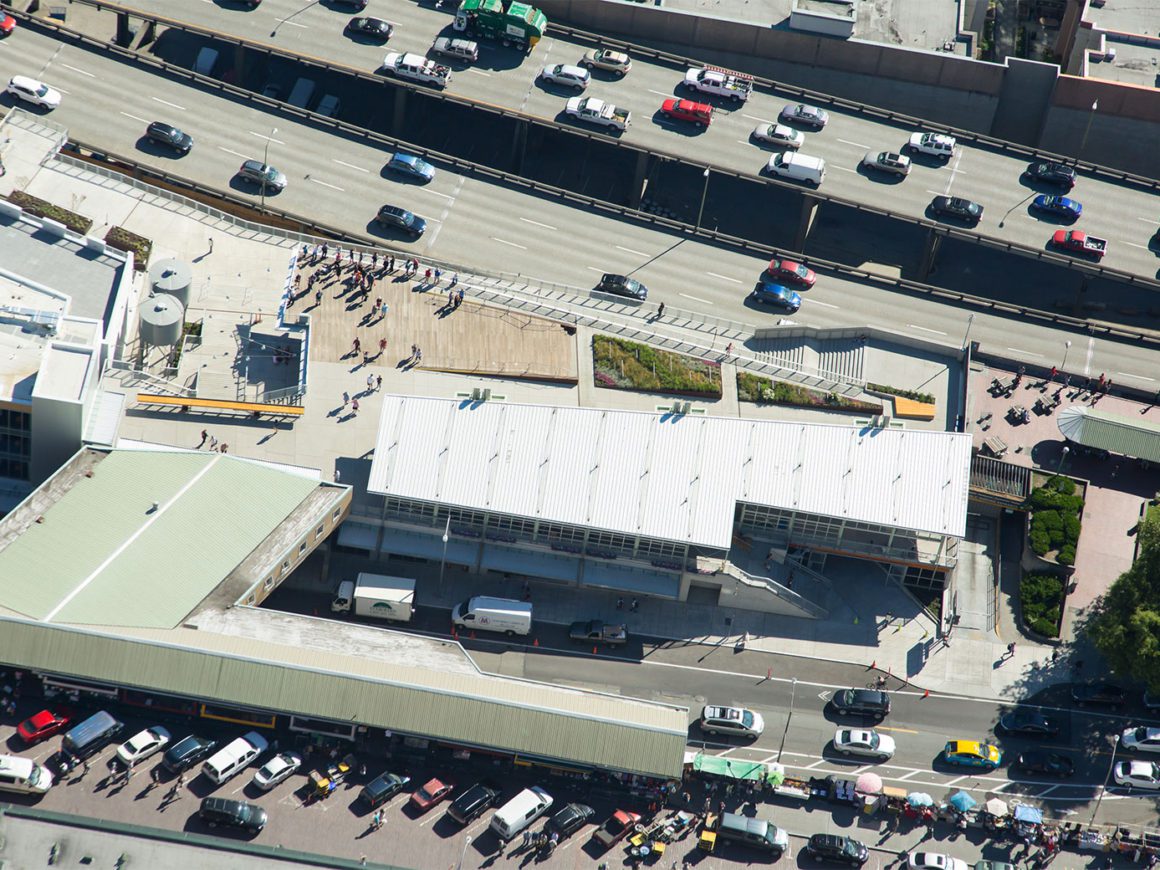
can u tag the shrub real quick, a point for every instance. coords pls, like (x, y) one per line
(753, 388)
(123, 240)
(629, 365)
(1040, 542)
(914, 395)
(1041, 598)
(1066, 555)
(750, 387)
(78, 223)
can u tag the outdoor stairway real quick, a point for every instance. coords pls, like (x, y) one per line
(830, 364)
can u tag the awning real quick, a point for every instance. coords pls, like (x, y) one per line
(357, 536)
(735, 768)
(460, 551)
(1135, 437)
(547, 565)
(625, 579)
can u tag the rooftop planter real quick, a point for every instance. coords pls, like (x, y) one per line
(627, 365)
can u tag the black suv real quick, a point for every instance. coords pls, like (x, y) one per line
(187, 752)
(472, 802)
(1099, 695)
(864, 702)
(571, 819)
(1053, 173)
(235, 814)
(401, 219)
(170, 136)
(621, 285)
(382, 788)
(837, 849)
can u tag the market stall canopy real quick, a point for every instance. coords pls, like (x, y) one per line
(869, 783)
(962, 801)
(1030, 815)
(996, 807)
(732, 768)
(919, 799)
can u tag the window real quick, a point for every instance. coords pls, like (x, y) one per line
(269, 582)
(318, 532)
(301, 548)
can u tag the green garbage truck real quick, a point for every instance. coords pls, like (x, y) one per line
(519, 24)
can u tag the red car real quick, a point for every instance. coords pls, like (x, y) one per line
(43, 724)
(700, 114)
(430, 794)
(7, 24)
(615, 828)
(789, 272)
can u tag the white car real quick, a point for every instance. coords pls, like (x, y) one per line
(736, 721)
(281, 767)
(566, 74)
(143, 744)
(1138, 774)
(779, 134)
(934, 144)
(934, 861)
(864, 741)
(1143, 739)
(33, 91)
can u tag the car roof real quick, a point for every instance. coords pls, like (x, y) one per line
(722, 712)
(25, 82)
(1139, 768)
(44, 717)
(412, 159)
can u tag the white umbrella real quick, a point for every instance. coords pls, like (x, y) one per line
(869, 783)
(995, 807)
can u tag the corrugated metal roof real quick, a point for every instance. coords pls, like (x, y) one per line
(102, 551)
(500, 713)
(1137, 437)
(668, 477)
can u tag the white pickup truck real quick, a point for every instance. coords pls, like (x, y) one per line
(599, 112)
(417, 68)
(720, 83)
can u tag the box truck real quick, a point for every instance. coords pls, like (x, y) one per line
(376, 595)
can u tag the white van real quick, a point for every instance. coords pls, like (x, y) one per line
(520, 811)
(343, 597)
(798, 167)
(235, 757)
(494, 614)
(23, 775)
(301, 93)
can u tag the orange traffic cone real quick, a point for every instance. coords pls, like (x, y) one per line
(535, 641)
(473, 634)
(594, 652)
(926, 693)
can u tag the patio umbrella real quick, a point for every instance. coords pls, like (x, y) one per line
(919, 799)
(1030, 815)
(996, 807)
(869, 783)
(962, 801)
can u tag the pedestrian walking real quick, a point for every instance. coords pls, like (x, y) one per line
(1055, 371)
(357, 344)
(427, 276)
(354, 406)
(729, 349)
(366, 357)
(454, 280)
(635, 606)
(374, 259)
(378, 382)
(382, 345)
(661, 310)
(370, 383)
(459, 298)
(414, 352)
(345, 398)
(438, 276)
(1011, 650)
(155, 775)
(418, 355)
(450, 299)
(318, 297)
(212, 443)
(204, 438)
(620, 604)
(383, 311)
(378, 305)
(337, 476)
(211, 244)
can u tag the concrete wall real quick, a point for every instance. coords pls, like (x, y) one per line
(1027, 88)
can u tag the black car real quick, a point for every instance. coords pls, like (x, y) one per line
(187, 752)
(571, 819)
(837, 849)
(382, 788)
(1046, 763)
(356, 5)
(1059, 174)
(958, 208)
(862, 702)
(235, 814)
(401, 219)
(622, 285)
(472, 802)
(170, 136)
(1099, 695)
(1024, 721)
(373, 27)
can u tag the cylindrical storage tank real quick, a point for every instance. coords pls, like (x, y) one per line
(173, 277)
(162, 317)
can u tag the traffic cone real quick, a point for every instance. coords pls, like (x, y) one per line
(473, 634)
(926, 693)
(874, 664)
(594, 649)
(535, 641)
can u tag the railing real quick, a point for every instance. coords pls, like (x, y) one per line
(159, 384)
(777, 589)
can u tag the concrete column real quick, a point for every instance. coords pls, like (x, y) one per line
(809, 212)
(929, 253)
(519, 146)
(124, 34)
(238, 74)
(639, 180)
(400, 112)
(1081, 293)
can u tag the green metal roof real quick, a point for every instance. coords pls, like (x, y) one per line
(1135, 437)
(102, 554)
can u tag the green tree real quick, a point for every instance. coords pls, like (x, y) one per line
(1127, 627)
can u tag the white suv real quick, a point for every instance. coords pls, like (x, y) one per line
(567, 75)
(933, 144)
(32, 91)
(732, 720)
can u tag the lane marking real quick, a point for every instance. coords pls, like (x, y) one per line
(512, 244)
(1024, 352)
(594, 269)
(349, 165)
(855, 144)
(661, 93)
(1134, 245)
(696, 298)
(134, 117)
(81, 71)
(235, 153)
(292, 23)
(1138, 377)
(926, 329)
(538, 224)
(934, 192)
(723, 277)
(631, 251)
(267, 138)
(167, 103)
(763, 121)
(325, 184)
(478, 72)
(1147, 220)
(899, 730)
(435, 193)
(844, 169)
(818, 302)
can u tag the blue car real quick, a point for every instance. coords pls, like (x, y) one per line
(768, 293)
(1058, 206)
(411, 166)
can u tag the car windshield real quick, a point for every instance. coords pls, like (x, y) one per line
(747, 719)
(42, 90)
(1141, 733)
(36, 775)
(873, 739)
(614, 826)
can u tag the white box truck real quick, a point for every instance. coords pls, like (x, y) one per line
(377, 596)
(494, 614)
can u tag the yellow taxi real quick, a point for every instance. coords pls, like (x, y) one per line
(972, 753)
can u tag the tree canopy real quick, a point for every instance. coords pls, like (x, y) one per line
(1127, 627)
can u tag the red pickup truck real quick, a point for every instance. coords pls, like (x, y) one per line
(1079, 242)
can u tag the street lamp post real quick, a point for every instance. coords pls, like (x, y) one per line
(443, 561)
(1088, 128)
(463, 854)
(266, 163)
(1104, 786)
(704, 193)
(792, 695)
(967, 334)
(1066, 350)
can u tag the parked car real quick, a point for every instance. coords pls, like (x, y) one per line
(972, 753)
(566, 74)
(458, 49)
(432, 792)
(278, 769)
(776, 295)
(700, 114)
(837, 849)
(401, 219)
(169, 136)
(1142, 739)
(791, 272)
(1058, 206)
(622, 285)
(934, 861)
(1059, 174)
(143, 744)
(888, 162)
(807, 116)
(1137, 774)
(382, 788)
(471, 803)
(732, 721)
(1151, 700)
(570, 819)
(1044, 763)
(779, 134)
(7, 24)
(864, 742)
(861, 702)
(411, 166)
(32, 91)
(1099, 695)
(216, 811)
(375, 28)
(958, 208)
(608, 60)
(1028, 721)
(615, 828)
(187, 752)
(263, 175)
(42, 725)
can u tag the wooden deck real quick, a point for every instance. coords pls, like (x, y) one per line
(474, 338)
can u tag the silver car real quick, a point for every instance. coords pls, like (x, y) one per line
(865, 742)
(263, 175)
(460, 49)
(736, 721)
(779, 134)
(888, 162)
(807, 116)
(567, 75)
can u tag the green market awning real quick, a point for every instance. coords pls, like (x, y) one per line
(737, 769)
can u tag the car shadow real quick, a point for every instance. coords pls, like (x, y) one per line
(878, 176)
(1046, 217)
(250, 188)
(401, 178)
(153, 149)
(683, 128)
(1039, 186)
(950, 220)
(394, 234)
(563, 117)
(921, 158)
(556, 89)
